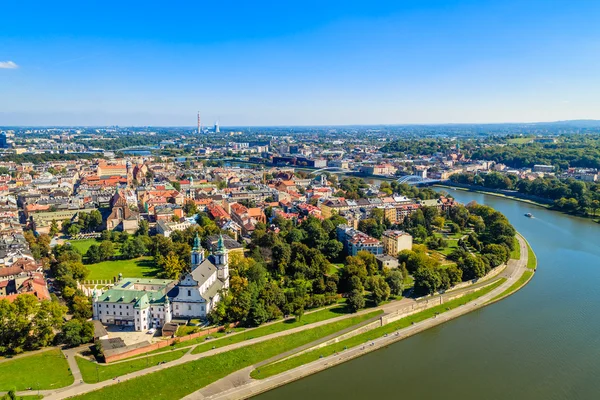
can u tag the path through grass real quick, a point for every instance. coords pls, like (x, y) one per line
(273, 328)
(93, 372)
(178, 381)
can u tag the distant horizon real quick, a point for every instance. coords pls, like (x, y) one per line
(194, 127)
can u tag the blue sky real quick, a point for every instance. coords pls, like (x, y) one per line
(298, 62)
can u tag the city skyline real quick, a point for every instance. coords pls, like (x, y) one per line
(391, 63)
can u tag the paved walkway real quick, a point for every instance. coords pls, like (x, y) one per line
(238, 383)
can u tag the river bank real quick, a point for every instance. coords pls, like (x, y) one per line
(245, 387)
(538, 202)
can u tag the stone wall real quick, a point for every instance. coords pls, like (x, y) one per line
(134, 350)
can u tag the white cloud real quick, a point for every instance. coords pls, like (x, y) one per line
(8, 65)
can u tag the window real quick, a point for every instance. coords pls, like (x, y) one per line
(114, 306)
(189, 293)
(189, 308)
(120, 313)
(177, 307)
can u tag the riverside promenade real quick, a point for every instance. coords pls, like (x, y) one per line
(240, 385)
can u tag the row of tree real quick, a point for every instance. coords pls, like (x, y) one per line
(569, 195)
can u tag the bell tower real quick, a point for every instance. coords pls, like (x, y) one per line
(221, 258)
(197, 253)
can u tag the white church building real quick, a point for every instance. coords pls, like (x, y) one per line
(199, 290)
(150, 303)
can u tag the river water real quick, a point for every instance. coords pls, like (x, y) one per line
(541, 343)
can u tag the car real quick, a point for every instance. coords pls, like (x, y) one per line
(151, 331)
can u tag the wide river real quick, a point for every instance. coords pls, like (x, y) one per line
(541, 343)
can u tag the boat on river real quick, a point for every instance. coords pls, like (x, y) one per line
(529, 215)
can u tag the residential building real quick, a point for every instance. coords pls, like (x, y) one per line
(355, 241)
(396, 241)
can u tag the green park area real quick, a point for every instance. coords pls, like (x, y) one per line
(45, 370)
(313, 355)
(93, 372)
(311, 318)
(181, 380)
(142, 267)
(520, 140)
(83, 245)
(221, 339)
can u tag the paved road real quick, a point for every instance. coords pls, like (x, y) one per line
(240, 386)
(239, 380)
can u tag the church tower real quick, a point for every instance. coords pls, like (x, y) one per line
(221, 260)
(197, 253)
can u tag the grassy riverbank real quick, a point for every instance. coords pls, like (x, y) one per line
(180, 380)
(515, 286)
(483, 191)
(515, 254)
(531, 258)
(313, 355)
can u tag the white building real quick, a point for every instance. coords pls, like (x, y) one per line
(141, 303)
(199, 290)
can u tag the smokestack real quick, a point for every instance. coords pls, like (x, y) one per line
(198, 122)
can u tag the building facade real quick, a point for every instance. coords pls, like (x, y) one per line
(396, 241)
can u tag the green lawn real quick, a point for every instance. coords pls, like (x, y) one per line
(83, 245)
(285, 365)
(178, 381)
(46, 370)
(105, 372)
(451, 245)
(273, 328)
(513, 288)
(516, 253)
(531, 258)
(142, 267)
(522, 140)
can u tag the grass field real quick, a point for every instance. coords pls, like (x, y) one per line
(142, 267)
(274, 328)
(46, 370)
(531, 258)
(104, 372)
(285, 365)
(522, 140)
(516, 253)
(83, 245)
(178, 381)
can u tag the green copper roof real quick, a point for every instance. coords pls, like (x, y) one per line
(197, 244)
(220, 244)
